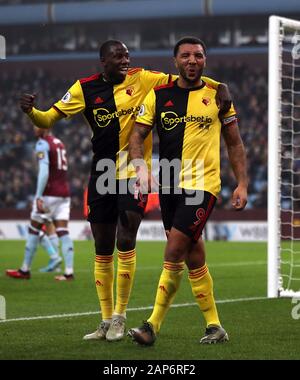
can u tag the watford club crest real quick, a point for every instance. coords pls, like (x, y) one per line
(206, 101)
(130, 90)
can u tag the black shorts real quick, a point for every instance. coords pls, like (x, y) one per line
(190, 219)
(106, 208)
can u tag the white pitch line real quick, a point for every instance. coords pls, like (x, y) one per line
(237, 264)
(130, 309)
(216, 265)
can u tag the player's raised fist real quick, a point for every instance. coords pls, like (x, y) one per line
(26, 102)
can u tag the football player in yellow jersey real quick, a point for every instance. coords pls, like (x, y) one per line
(189, 127)
(109, 102)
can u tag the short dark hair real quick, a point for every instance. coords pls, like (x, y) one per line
(105, 47)
(189, 40)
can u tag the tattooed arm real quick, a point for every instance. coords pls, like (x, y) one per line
(136, 154)
(237, 158)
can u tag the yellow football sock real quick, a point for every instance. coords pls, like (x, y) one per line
(167, 287)
(125, 277)
(202, 288)
(104, 279)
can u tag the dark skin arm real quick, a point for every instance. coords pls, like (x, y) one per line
(136, 154)
(223, 98)
(237, 158)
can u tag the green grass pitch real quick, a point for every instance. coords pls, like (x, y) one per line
(259, 328)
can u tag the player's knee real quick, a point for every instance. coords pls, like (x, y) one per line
(103, 247)
(175, 253)
(126, 242)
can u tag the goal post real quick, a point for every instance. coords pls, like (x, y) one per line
(273, 156)
(284, 158)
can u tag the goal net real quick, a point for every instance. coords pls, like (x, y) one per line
(284, 158)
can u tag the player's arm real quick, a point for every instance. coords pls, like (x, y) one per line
(42, 153)
(41, 119)
(71, 103)
(223, 96)
(141, 130)
(136, 154)
(142, 127)
(238, 162)
(136, 141)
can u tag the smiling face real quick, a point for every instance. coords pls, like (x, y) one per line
(115, 63)
(190, 61)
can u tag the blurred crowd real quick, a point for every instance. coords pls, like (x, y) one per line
(77, 38)
(18, 165)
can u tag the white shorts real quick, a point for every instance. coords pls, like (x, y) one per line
(58, 208)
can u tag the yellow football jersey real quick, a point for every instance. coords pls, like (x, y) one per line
(189, 130)
(110, 110)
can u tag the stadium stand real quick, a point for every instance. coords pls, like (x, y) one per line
(149, 35)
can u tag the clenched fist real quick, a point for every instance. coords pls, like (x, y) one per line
(26, 102)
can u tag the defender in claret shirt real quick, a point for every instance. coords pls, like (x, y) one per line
(110, 102)
(51, 203)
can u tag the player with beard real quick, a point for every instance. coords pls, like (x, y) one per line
(189, 126)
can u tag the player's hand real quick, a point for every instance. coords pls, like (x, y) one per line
(142, 182)
(223, 98)
(239, 197)
(153, 185)
(27, 102)
(40, 206)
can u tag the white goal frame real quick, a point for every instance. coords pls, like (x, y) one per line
(274, 151)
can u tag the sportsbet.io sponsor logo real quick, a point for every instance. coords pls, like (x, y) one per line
(103, 117)
(170, 120)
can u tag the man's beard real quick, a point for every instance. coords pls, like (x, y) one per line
(190, 80)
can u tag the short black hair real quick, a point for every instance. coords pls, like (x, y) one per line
(105, 47)
(189, 40)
